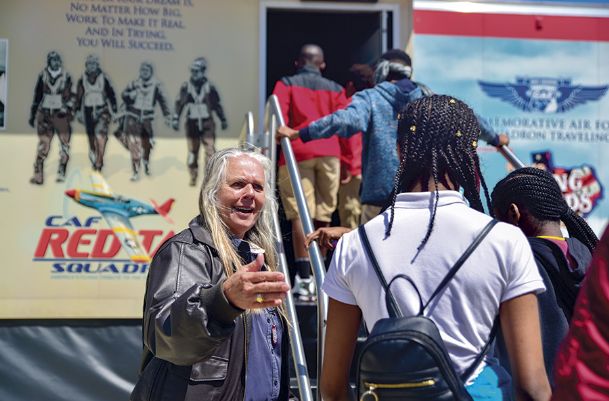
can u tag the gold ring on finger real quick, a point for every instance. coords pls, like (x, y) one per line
(259, 298)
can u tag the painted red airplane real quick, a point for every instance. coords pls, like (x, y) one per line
(117, 211)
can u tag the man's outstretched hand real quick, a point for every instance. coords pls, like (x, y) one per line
(251, 288)
(502, 139)
(286, 132)
(326, 237)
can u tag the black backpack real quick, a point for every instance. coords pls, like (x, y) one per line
(404, 358)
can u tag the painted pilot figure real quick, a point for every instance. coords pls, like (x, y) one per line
(95, 97)
(140, 97)
(51, 113)
(198, 99)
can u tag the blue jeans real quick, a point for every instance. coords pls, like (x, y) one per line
(492, 384)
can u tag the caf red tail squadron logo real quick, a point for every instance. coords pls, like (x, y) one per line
(579, 184)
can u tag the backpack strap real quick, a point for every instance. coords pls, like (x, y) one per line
(410, 280)
(460, 261)
(392, 305)
(469, 371)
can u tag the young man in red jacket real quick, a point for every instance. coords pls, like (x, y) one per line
(305, 97)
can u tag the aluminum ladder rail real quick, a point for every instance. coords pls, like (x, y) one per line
(510, 156)
(270, 126)
(317, 264)
(247, 139)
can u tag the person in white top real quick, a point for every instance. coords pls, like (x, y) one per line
(423, 232)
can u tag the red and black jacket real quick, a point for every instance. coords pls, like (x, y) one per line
(304, 98)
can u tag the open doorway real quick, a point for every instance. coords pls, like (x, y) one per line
(348, 34)
(346, 37)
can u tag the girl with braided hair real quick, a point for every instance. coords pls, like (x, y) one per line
(424, 230)
(531, 199)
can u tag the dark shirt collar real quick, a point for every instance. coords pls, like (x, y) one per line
(198, 83)
(307, 69)
(406, 85)
(243, 249)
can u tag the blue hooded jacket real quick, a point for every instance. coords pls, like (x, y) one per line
(374, 112)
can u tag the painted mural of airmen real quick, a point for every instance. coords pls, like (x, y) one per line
(95, 97)
(51, 113)
(136, 131)
(198, 98)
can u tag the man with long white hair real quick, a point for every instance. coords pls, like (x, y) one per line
(213, 323)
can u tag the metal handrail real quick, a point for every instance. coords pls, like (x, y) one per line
(266, 144)
(300, 361)
(317, 264)
(510, 156)
(270, 126)
(248, 136)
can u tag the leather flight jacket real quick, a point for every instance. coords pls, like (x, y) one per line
(195, 341)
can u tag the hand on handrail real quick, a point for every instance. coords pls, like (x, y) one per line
(502, 140)
(326, 236)
(286, 132)
(498, 140)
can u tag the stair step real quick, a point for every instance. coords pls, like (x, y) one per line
(307, 320)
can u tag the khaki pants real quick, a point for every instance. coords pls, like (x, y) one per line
(97, 133)
(195, 137)
(349, 206)
(48, 124)
(320, 181)
(369, 212)
(138, 136)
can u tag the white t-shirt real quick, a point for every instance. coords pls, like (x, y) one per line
(501, 268)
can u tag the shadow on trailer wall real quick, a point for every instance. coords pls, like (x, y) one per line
(67, 360)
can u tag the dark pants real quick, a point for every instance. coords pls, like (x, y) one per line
(138, 139)
(196, 134)
(48, 123)
(97, 125)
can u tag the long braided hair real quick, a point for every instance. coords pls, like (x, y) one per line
(538, 192)
(437, 138)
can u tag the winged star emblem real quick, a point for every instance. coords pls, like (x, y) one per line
(547, 95)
